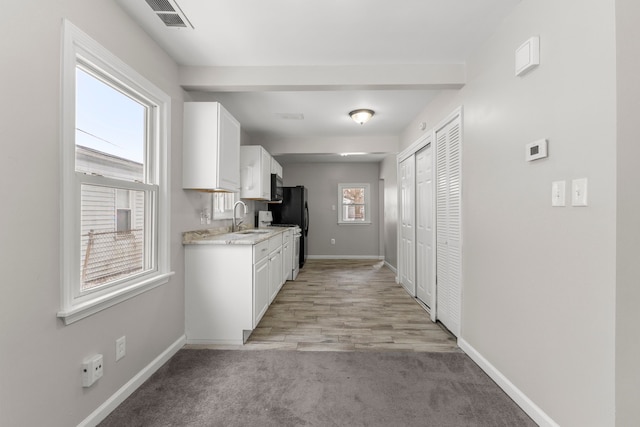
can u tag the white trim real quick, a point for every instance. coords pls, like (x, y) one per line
(450, 117)
(239, 342)
(367, 203)
(417, 145)
(521, 399)
(132, 385)
(77, 47)
(378, 257)
(80, 311)
(391, 267)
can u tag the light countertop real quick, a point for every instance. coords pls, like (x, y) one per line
(250, 236)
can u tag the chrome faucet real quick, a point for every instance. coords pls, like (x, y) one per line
(234, 225)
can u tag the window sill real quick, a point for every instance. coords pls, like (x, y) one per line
(88, 308)
(354, 223)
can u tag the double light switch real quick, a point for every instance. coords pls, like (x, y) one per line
(578, 192)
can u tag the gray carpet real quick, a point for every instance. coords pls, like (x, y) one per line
(291, 388)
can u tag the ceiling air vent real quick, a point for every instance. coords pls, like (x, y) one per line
(170, 13)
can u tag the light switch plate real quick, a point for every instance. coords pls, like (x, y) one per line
(558, 193)
(579, 192)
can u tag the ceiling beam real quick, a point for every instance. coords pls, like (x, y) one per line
(322, 78)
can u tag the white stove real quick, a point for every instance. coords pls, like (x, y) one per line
(265, 219)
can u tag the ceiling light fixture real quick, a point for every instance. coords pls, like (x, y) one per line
(362, 115)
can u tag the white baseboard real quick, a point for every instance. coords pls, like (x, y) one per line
(378, 257)
(214, 342)
(132, 385)
(391, 267)
(527, 405)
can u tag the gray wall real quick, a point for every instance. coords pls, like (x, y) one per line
(539, 282)
(389, 175)
(628, 210)
(40, 358)
(322, 181)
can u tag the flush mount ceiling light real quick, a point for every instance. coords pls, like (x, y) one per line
(361, 116)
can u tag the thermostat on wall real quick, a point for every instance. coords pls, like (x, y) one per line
(536, 150)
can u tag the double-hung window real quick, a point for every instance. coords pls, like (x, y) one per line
(115, 203)
(354, 201)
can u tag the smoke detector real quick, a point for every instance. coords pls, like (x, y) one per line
(170, 13)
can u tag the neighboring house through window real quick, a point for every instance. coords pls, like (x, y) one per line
(115, 180)
(354, 200)
(123, 210)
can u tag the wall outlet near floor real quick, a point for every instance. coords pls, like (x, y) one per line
(121, 347)
(91, 370)
(333, 241)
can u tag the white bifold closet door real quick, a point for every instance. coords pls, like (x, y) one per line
(449, 224)
(424, 226)
(407, 225)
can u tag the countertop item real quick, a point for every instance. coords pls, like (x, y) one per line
(249, 236)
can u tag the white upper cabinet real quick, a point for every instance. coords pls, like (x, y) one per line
(255, 176)
(211, 148)
(276, 168)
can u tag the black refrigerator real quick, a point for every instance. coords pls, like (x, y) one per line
(294, 210)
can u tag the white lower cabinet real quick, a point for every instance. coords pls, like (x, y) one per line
(218, 293)
(228, 288)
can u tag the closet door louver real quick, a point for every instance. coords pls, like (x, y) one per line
(449, 224)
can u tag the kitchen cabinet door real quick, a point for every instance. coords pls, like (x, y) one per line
(261, 290)
(255, 179)
(287, 257)
(275, 273)
(211, 148)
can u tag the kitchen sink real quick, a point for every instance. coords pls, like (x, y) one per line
(254, 232)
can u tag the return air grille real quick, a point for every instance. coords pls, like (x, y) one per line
(161, 6)
(170, 13)
(172, 20)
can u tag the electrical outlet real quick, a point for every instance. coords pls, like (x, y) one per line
(333, 241)
(121, 347)
(92, 370)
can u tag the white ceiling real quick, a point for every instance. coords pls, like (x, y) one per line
(323, 33)
(325, 113)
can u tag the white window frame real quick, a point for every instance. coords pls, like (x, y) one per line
(79, 48)
(367, 204)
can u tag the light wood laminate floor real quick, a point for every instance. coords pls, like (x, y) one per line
(346, 305)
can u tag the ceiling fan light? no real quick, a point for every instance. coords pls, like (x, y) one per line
(361, 115)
